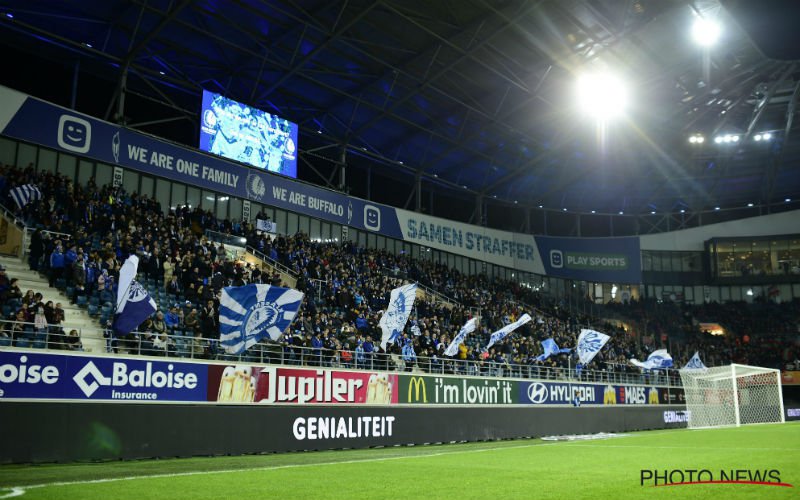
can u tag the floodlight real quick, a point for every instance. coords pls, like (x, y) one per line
(705, 32)
(735, 138)
(602, 95)
(700, 139)
(766, 136)
(757, 137)
(718, 139)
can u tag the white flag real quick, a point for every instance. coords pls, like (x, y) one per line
(656, 360)
(589, 344)
(695, 363)
(506, 330)
(468, 328)
(394, 319)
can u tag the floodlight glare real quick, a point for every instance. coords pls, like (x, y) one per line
(718, 139)
(735, 138)
(766, 136)
(705, 32)
(757, 137)
(602, 95)
(700, 139)
(693, 139)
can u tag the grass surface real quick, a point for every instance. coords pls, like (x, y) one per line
(505, 470)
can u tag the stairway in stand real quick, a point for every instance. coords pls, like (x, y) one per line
(74, 316)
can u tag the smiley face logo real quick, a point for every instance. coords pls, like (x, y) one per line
(74, 134)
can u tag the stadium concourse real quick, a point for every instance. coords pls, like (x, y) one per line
(95, 228)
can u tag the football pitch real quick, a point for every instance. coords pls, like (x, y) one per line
(524, 469)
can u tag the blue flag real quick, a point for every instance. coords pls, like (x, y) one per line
(249, 313)
(507, 330)
(394, 319)
(550, 347)
(22, 195)
(695, 363)
(656, 360)
(134, 304)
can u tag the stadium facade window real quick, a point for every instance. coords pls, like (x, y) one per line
(47, 160)
(103, 174)
(85, 172)
(755, 260)
(146, 185)
(291, 223)
(26, 155)
(223, 203)
(192, 196)
(178, 197)
(66, 165)
(163, 194)
(130, 182)
(8, 151)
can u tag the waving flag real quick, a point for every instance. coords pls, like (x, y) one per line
(656, 360)
(695, 363)
(550, 347)
(22, 195)
(394, 319)
(249, 313)
(506, 330)
(134, 304)
(468, 328)
(589, 344)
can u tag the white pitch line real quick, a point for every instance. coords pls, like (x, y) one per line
(15, 492)
(22, 489)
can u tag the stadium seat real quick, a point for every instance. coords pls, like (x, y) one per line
(81, 300)
(61, 283)
(93, 310)
(94, 300)
(69, 291)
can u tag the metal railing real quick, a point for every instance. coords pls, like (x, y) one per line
(28, 231)
(195, 346)
(272, 262)
(430, 292)
(51, 336)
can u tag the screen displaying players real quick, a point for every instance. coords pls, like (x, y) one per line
(236, 131)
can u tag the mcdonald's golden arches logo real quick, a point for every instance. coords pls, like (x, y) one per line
(417, 386)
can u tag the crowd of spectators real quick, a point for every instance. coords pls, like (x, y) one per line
(346, 287)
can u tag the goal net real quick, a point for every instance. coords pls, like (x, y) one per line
(732, 395)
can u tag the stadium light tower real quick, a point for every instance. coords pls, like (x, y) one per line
(602, 95)
(705, 32)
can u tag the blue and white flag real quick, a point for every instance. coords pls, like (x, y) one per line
(656, 360)
(589, 344)
(249, 313)
(550, 347)
(22, 195)
(134, 304)
(468, 328)
(507, 330)
(695, 363)
(394, 319)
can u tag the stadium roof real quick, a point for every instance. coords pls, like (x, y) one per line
(474, 98)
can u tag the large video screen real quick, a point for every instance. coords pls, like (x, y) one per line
(236, 131)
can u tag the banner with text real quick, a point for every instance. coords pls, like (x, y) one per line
(608, 260)
(564, 393)
(23, 117)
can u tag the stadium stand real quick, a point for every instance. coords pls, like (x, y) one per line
(346, 288)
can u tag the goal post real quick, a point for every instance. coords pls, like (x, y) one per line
(733, 395)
